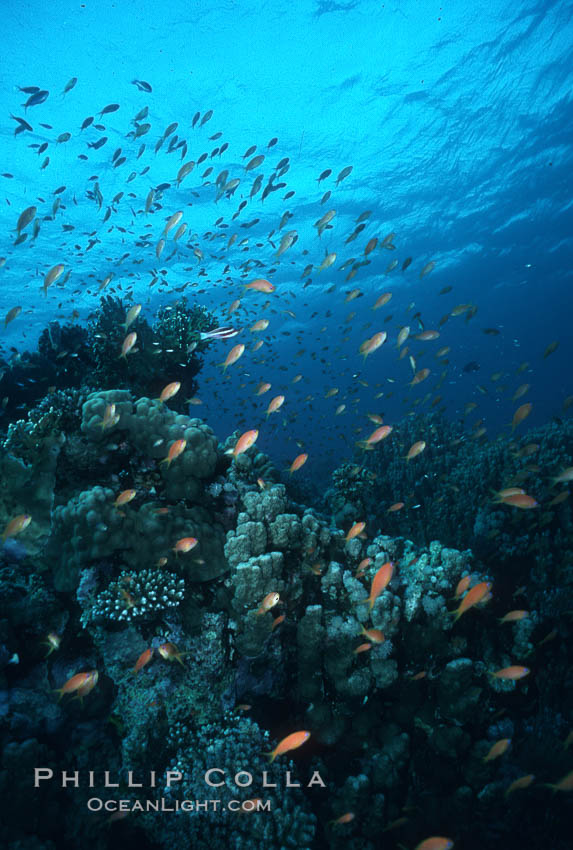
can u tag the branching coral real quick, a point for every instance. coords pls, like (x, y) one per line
(137, 596)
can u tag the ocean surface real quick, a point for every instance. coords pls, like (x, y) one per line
(329, 246)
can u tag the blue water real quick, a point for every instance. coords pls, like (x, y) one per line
(456, 120)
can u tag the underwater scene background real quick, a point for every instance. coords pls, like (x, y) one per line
(285, 423)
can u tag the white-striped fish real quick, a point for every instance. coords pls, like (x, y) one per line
(220, 333)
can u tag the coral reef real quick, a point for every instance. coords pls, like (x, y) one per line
(137, 597)
(168, 348)
(449, 490)
(232, 745)
(28, 472)
(272, 622)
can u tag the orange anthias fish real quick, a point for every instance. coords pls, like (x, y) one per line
(76, 682)
(110, 417)
(415, 450)
(511, 673)
(245, 441)
(426, 270)
(277, 621)
(514, 616)
(52, 276)
(232, 356)
(520, 500)
(299, 461)
(363, 565)
(501, 495)
(124, 497)
(477, 594)
(374, 635)
(11, 315)
(291, 742)
(462, 586)
(177, 448)
(375, 437)
(53, 642)
(131, 316)
(520, 414)
(379, 583)
(127, 344)
(382, 300)
(250, 805)
(270, 600)
(345, 818)
(559, 499)
(169, 652)
(185, 544)
(563, 477)
(498, 749)
(275, 404)
(565, 784)
(356, 529)
(374, 342)
(88, 686)
(518, 784)
(260, 285)
(169, 391)
(427, 336)
(16, 525)
(420, 376)
(436, 842)
(261, 325)
(143, 659)
(172, 222)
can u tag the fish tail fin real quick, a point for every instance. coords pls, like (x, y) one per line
(271, 756)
